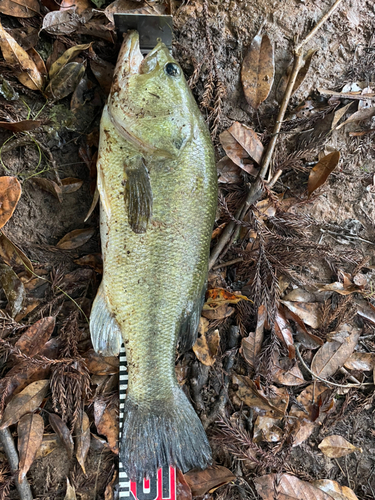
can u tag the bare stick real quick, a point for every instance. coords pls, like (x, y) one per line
(6, 440)
(256, 188)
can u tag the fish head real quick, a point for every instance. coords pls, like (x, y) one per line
(150, 103)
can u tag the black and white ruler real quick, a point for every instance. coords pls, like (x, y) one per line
(162, 487)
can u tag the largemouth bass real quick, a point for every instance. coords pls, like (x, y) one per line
(158, 189)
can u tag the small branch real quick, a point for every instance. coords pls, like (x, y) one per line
(314, 375)
(256, 189)
(318, 25)
(7, 442)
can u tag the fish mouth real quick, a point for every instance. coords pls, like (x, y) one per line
(131, 59)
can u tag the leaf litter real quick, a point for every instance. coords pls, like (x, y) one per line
(273, 293)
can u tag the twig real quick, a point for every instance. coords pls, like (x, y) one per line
(256, 188)
(349, 237)
(7, 442)
(346, 386)
(229, 263)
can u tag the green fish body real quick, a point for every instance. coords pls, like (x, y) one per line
(158, 189)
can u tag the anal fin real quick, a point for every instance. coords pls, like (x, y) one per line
(189, 327)
(105, 331)
(138, 195)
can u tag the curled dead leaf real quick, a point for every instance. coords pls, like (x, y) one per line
(319, 174)
(251, 345)
(82, 439)
(206, 348)
(12, 255)
(62, 432)
(24, 67)
(10, 193)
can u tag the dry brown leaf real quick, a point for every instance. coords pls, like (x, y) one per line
(67, 56)
(363, 361)
(23, 66)
(288, 488)
(215, 297)
(319, 174)
(206, 348)
(133, 7)
(70, 185)
(284, 376)
(236, 152)
(62, 432)
(36, 336)
(70, 491)
(229, 172)
(61, 22)
(107, 425)
(49, 186)
(101, 365)
(281, 88)
(10, 193)
(27, 401)
(251, 345)
(284, 332)
(30, 436)
(333, 355)
(93, 260)
(249, 141)
(183, 491)
(82, 439)
(80, 5)
(339, 113)
(103, 72)
(361, 114)
(307, 339)
(12, 255)
(208, 480)
(275, 405)
(20, 8)
(337, 446)
(22, 126)
(266, 429)
(220, 312)
(49, 443)
(309, 313)
(13, 288)
(336, 491)
(76, 238)
(258, 70)
(299, 295)
(39, 63)
(65, 81)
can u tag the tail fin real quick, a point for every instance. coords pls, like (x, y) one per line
(165, 433)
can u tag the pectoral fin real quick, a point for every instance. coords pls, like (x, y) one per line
(105, 331)
(138, 196)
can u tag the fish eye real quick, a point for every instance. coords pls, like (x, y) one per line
(172, 69)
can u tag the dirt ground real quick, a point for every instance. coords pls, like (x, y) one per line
(341, 215)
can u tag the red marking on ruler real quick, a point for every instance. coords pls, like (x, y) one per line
(161, 487)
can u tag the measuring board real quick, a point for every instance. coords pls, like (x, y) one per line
(162, 487)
